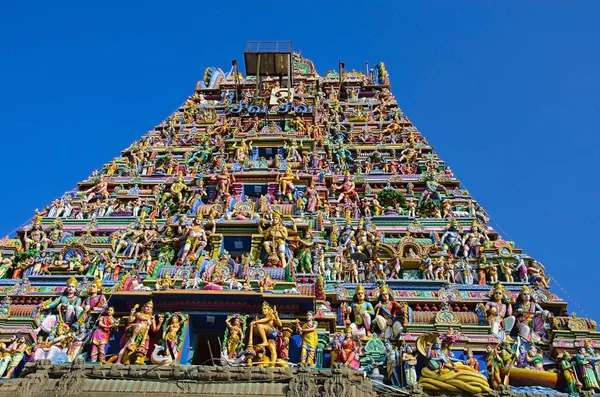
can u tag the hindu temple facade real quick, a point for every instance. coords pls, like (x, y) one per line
(281, 233)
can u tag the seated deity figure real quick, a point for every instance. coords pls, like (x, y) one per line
(388, 314)
(36, 238)
(499, 313)
(359, 313)
(68, 308)
(530, 317)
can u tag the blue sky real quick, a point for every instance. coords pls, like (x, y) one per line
(507, 92)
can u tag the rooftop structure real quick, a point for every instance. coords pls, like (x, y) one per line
(297, 229)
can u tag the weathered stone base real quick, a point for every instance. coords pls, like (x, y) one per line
(41, 379)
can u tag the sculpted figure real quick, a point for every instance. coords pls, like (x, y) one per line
(196, 239)
(67, 306)
(529, 316)
(177, 189)
(308, 347)
(569, 373)
(499, 313)
(275, 238)
(359, 313)
(388, 314)
(137, 338)
(36, 238)
(472, 242)
(236, 335)
(106, 323)
(286, 183)
(349, 350)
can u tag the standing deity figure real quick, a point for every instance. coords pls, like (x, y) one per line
(236, 335)
(95, 301)
(137, 338)
(224, 181)
(569, 373)
(275, 238)
(388, 314)
(310, 339)
(196, 239)
(410, 366)
(499, 314)
(312, 198)
(268, 328)
(586, 369)
(359, 313)
(292, 152)
(286, 183)
(177, 189)
(592, 357)
(101, 335)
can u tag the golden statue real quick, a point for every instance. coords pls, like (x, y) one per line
(441, 373)
(268, 329)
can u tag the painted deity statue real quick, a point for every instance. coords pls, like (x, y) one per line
(106, 323)
(348, 353)
(529, 316)
(443, 372)
(587, 371)
(171, 336)
(136, 340)
(286, 183)
(310, 339)
(236, 335)
(388, 314)
(275, 238)
(196, 239)
(95, 300)
(267, 329)
(12, 355)
(312, 198)
(569, 373)
(360, 313)
(499, 313)
(67, 306)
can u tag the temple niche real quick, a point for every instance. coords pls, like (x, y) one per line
(298, 226)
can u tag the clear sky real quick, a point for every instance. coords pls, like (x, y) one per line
(506, 91)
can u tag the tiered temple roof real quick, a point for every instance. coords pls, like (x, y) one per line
(266, 222)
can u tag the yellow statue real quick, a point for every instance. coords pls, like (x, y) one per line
(268, 329)
(310, 339)
(236, 335)
(286, 182)
(441, 373)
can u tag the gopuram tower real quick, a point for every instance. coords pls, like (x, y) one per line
(281, 233)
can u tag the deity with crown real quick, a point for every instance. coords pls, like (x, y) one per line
(388, 314)
(359, 313)
(137, 333)
(68, 308)
(499, 313)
